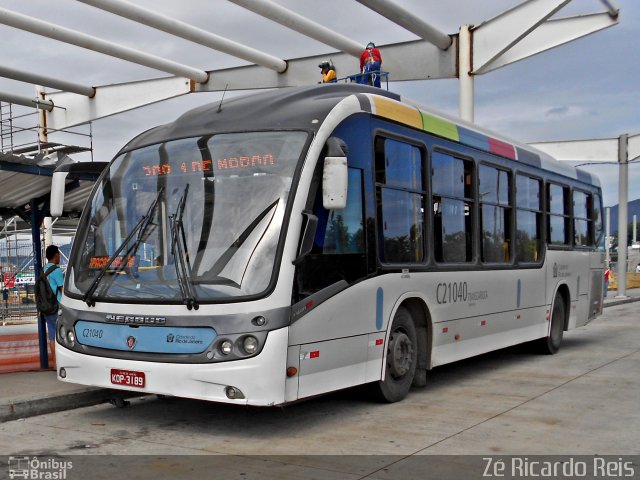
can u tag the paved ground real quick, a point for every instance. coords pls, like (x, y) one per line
(584, 400)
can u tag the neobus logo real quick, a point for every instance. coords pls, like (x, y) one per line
(136, 320)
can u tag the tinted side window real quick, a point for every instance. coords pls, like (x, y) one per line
(399, 165)
(528, 219)
(558, 220)
(582, 224)
(598, 229)
(495, 214)
(400, 196)
(452, 181)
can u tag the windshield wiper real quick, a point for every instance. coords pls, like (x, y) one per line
(140, 227)
(228, 254)
(180, 252)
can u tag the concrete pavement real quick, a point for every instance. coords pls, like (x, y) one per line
(30, 393)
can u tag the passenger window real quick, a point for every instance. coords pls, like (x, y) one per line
(528, 220)
(399, 165)
(452, 183)
(582, 223)
(558, 219)
(400, 196)
(495, 214)
(597, 222)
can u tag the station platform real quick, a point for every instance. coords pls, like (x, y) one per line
(35, 392)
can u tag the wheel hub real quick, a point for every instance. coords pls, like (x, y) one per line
(400, 354)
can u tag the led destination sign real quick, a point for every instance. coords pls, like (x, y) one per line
(98, 263)
(208, 166)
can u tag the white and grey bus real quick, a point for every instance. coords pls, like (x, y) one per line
(296, 242)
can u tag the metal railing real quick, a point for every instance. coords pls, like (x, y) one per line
(362, 78)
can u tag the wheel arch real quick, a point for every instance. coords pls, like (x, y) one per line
(421, 316)
(562, 291)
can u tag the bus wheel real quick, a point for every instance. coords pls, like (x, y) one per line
(551, 344)
(402, 353)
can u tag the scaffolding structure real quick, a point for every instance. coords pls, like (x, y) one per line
(22, 134)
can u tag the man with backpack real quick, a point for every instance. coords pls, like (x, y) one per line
(48, 300)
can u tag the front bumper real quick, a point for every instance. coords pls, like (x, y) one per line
(261, 379)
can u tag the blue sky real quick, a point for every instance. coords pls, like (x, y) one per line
(589, 88)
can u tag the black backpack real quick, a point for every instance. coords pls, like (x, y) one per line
(46, 298)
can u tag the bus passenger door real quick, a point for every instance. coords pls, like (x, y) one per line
(330, 333)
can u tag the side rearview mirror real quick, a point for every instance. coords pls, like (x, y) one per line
(89, 171)
(335, 175)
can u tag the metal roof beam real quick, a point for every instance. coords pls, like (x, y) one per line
(612, 10)
(112, 99)
(36, 79)
(415, 60)
(26, 101)
(300, 24)
(83, 40)
(593, 150)
(494, 37)
(188, 32)
(409, 21)
(549, 35)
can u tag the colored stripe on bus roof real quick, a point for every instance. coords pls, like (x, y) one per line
(473, 139)
(502, 148)
(439, 127)
(397, 111)
(413, 117)
(528, 157)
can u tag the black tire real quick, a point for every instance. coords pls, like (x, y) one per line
(551, 344)
(401, 360)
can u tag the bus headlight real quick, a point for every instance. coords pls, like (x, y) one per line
(62, 334)
(250, 345)
(71, 337)
(226, 347)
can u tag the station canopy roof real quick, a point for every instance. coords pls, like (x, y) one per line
(26, 178)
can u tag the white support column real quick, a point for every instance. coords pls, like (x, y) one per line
(607, 239)
(48, 232)
(623, 194)
(465, 68)
(43, 132)
(56, 32)
(188, 32)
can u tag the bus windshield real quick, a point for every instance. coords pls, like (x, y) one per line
(196, 218)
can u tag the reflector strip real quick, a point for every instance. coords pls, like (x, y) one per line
(315, 354)
(445, 330)
(379, 341)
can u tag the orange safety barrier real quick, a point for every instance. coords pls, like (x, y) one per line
(633, 281)
(19, 353)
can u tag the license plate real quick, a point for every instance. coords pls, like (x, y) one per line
(127, 378)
